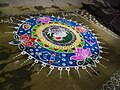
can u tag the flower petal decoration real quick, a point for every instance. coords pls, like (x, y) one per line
(81, 54)
(26, 40)
(81, 29)
(43, 19)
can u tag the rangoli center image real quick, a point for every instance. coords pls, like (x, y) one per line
(57, 42)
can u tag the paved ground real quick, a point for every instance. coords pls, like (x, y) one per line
(13, 76)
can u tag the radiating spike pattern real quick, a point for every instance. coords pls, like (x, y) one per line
(68, 71)
(103, 58)
(36, 61)
(25, 61)
(77, 69)
(18, 20)
(102, 65)
(88, 72)
(94, 70)
(14, 32)
(29, 58)
(60, 69)
(51, 69)
(43, 65)
(17, 55)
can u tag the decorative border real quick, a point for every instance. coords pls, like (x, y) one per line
(113, 83)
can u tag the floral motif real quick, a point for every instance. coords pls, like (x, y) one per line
(27, 40)
(43, 19)
(81, 54)
(81, 29)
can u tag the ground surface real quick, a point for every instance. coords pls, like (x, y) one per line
(13, 76)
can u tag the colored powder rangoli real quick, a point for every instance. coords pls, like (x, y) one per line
(57, 42)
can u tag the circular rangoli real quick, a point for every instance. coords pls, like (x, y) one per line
(57, 42)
